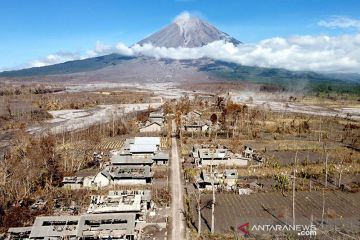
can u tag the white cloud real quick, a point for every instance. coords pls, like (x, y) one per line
(183, 17)
(316, 53)
(340, 22)
(55, 58)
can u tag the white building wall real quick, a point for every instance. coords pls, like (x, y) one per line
(151, 128)
(101, 181)
(129, 182)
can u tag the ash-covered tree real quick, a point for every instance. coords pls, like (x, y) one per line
(213, 118)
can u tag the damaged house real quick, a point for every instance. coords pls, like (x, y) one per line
(124, 175)
(90, 226)
(138, 202)
(205, 155)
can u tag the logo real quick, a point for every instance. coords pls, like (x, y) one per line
(301, 230)
(245, 229)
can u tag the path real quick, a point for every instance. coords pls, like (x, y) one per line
(177, 206)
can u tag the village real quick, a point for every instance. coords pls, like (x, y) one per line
(182, 168)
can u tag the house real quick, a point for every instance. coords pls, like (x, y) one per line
(151, 127)
(141, 146)
(218, 155)
(18, 233)
(230, 177)
(205, 156)
(124, 175)
(73, 182)
(147, 141)
(193, 115)
(118, 160)
(88, 226)
(138, 201)
(226, 180)
(102, 179)
(144, 146)
(250, 154)
(157, 116)
(89, 181)
(204, 180)
(161, 158)
(143, 150)
(196, 126)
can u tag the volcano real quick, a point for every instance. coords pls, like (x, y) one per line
(187, 31)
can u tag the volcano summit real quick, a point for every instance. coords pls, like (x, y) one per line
(187, 31)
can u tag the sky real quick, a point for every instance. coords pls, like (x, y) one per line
(41, 32)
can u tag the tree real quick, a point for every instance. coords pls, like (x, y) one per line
(282, 182)
(213, 118)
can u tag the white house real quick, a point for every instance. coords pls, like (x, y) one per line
(157, 116)
(198, 126)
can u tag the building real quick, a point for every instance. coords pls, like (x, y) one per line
(89, 226)
(73, 182)
(161, 158)
(151, 127)
(226, 180)
(230, 177)
(218, 155)
(124, 175)
(250, 154)
(196, 126)
(157, 116)
(193, 115)
(147, 141)
(138, 202)
(140, 142)
(118, 160)
(141, 146)
(204, 180)
(19, 233)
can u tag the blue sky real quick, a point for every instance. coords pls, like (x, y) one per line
(31, 29)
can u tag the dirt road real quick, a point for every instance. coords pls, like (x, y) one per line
(177, 206)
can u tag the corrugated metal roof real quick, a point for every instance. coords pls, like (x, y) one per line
(147, 141)
(121, 159)
(161, 156)
(143, 148)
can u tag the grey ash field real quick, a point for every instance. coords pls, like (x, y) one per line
(323, 142)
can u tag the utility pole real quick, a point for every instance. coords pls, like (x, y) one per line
(320, 135)
(326, 170)
(213, 195)
(323, 208)
(199, 209)
(294, 187)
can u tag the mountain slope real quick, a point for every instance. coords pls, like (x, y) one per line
(116, 68)
(85, 65)
(187, 31)
(283, 79)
